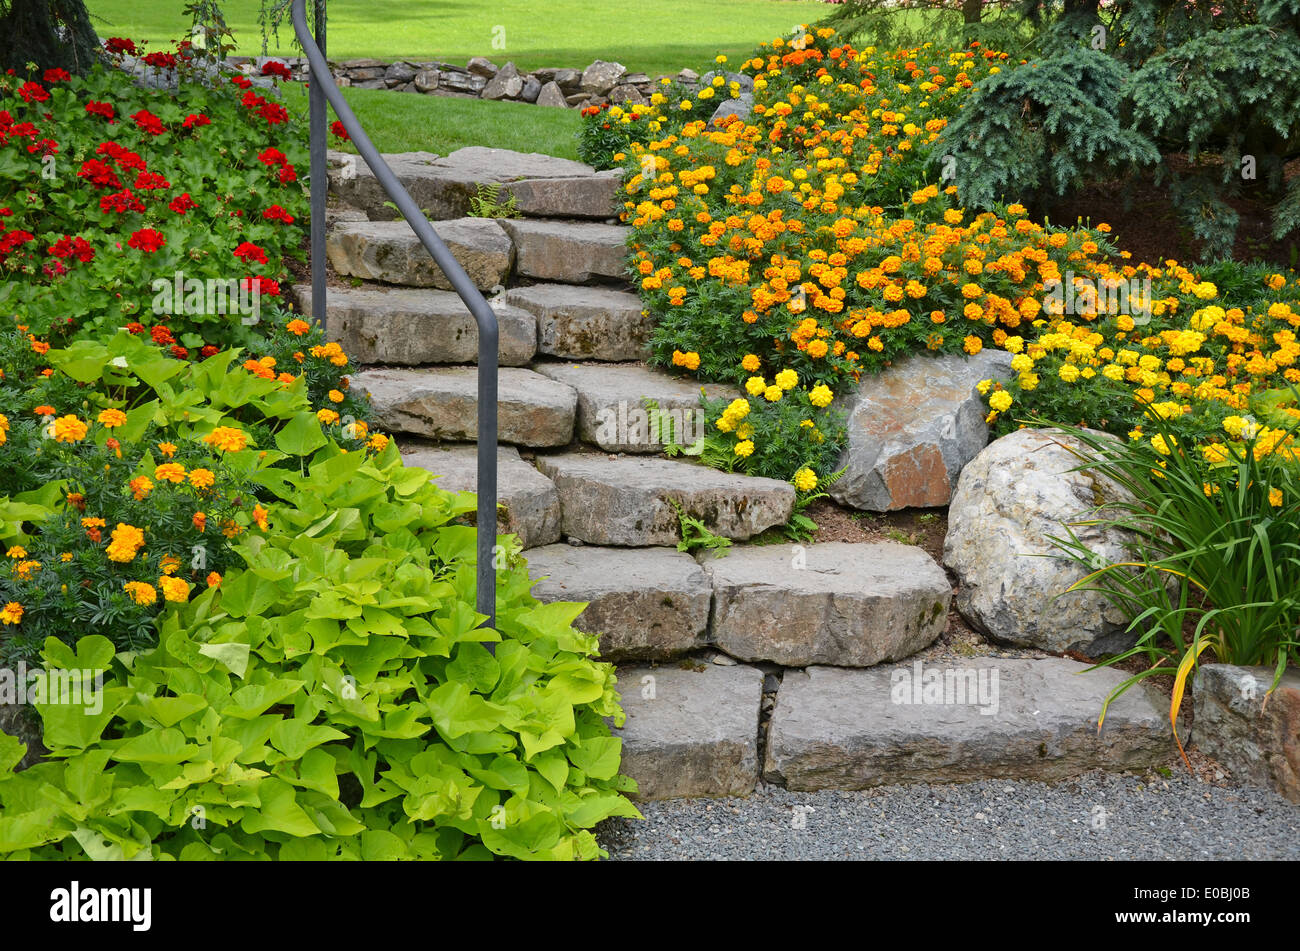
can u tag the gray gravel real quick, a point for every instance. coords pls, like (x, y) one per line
(1097, 817)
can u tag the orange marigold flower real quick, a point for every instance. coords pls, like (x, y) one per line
(172, 472)
(140, 487)
(227, 439)
(202, 478)
(43, 410)
(213, 579)
(298, 327)
(12, 613)
(259, 516)
(125, 544)
(174, 589)
(200, 520)
(141, 592)
(168, 449)
(69, 429)
(112, 418)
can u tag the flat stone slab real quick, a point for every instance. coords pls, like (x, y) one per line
(442, 404)
(572, 252)
(611, 411)
(389, 251)
(852, 729)
(586, 323)
(443, 187)
(645, 603)
(409, 326)
(690, 733)
(627, 500)
(1259, 742)
(528, 505)
(851, 605)
(912, 428)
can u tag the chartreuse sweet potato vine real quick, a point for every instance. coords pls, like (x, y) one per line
(332, 699)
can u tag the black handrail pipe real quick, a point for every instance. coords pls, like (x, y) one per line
(323, 88)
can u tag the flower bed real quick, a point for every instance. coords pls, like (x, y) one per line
(795, 250)
(194, 511)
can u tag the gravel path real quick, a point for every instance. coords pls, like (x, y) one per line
(1097, 816)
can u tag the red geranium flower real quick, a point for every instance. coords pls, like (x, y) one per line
(264, 286)
(150, 181)
(337, 130)
(99, 174)
(119, 45)
(196, 119)
(160, 60)
(121, 202)
(57, 76)
(274, 113)
(104, 109)
(33, 92)
(287, 174)
(271, 156)
(274, 68)
(147, 240)
(182, 203)
(240, 81)
(45, 147)
(250, 252)
(276, 213)
(149, 122)
(125, 158)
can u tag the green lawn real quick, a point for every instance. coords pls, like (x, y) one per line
(410, 122)
(651, 36)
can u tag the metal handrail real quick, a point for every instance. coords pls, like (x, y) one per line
(323, 88)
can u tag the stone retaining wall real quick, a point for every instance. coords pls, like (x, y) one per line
(597, 84)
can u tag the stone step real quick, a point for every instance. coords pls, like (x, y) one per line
(571, 252)
(389, 251)
(690, 733)
(542, 185)
(850, 605)
(586, 323)
(412, 326)
(645, 603)
(627, 501)
(442, 403)
(852, 729)
(528, 505)
(611, 412)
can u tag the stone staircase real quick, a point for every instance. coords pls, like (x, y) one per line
(775, 662)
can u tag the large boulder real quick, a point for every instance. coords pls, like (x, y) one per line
(1258, 741)
(1010, 501)
(912, 428)
(600, 77)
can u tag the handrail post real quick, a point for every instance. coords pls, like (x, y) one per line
(484, 316)
(319, 196)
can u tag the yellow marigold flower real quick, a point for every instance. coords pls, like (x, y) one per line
(1068, 372)
(18, 551)
(112, 418)
(737, 409)
(125, 543)
(744, 448)
(1000, 401)
(170, 564)
(805, 480)
(1275, 498)
(755, 385)
(773, 394)
(821, 395)
(202, 478)
(259, 516)
(174, 589)
(972, 344)
(1013, 344)
(335, 396)
(141, 592)
(787, 380)
(1162, 446)
(1205, 290)
(12, 613)
(172, 472)
(725, 424)
(25, 569)
(69, 429)
(378, 442)
(750, 363)
(227, 439)
(327, 416)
